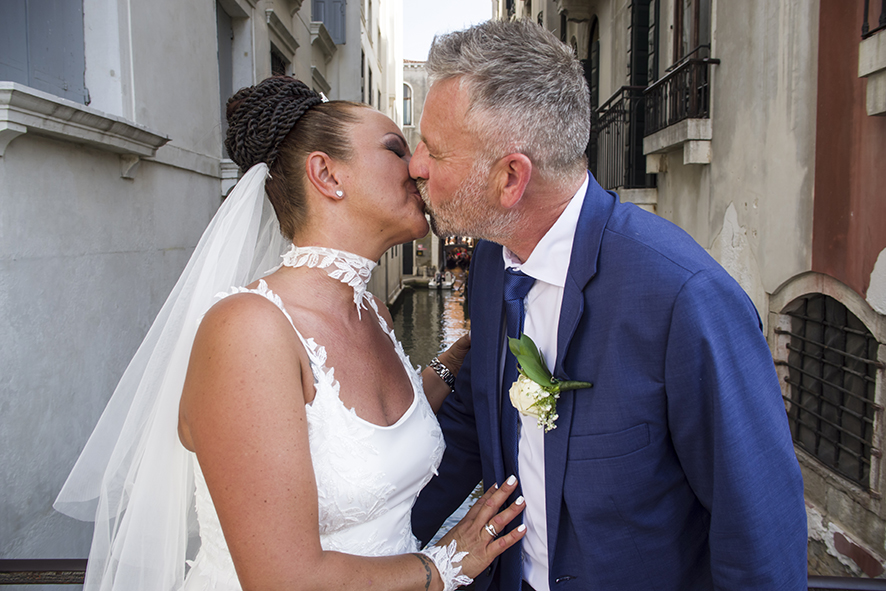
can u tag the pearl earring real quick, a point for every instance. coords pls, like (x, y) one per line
(339, 193)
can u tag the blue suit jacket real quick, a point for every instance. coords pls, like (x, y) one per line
(676, 470)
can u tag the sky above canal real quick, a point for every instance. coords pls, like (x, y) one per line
(422, 19)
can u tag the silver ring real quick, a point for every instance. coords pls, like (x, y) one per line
(490, 530)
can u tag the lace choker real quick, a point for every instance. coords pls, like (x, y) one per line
(349, 268)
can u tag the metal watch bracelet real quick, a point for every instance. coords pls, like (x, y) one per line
(442, 371)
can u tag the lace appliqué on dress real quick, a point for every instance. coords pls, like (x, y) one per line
(349, 268)
(363, 506)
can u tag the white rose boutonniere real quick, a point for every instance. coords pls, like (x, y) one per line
(536, 391)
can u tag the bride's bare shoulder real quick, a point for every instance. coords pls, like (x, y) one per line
(245, 329)
(245, 352)
(239, 310)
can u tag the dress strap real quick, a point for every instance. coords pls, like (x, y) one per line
(317, 353)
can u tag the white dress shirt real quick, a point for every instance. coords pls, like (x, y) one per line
(548, 264)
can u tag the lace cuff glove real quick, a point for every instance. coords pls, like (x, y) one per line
(444, 558)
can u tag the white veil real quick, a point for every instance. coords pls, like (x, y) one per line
(134, 478)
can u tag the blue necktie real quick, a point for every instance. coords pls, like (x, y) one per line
(516, 286)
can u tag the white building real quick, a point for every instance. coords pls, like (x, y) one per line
(111, 165)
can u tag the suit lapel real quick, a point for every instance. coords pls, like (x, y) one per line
(595, 212)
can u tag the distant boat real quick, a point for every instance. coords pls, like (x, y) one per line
(442, 281)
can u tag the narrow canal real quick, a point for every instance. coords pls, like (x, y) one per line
(427, 321)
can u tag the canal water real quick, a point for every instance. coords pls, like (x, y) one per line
(427, 321)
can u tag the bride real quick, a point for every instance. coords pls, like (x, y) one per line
(274, 435)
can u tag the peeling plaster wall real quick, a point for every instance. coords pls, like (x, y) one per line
(854, 512)
(833, 552)
(876, 295)
(763, 119)
(684, 197)
(733, 250)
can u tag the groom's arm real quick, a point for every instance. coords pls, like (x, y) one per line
(459, 472)
(730, 430)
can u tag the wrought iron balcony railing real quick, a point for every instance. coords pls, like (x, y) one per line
(616, 150)
(685, 93)
(866, 30)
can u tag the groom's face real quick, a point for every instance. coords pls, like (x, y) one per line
(451, 176)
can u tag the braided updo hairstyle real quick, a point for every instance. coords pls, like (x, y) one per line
(279, 121)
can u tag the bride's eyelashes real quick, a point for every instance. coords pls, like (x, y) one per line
(397, 145)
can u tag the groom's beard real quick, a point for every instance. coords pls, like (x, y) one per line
(468, 213)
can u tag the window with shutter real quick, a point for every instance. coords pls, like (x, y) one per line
(332, 14)
(41, 46)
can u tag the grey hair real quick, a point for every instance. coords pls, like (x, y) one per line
(527, 90)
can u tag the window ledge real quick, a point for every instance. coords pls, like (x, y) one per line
(319, 81)
(25, 110)
(692, 135)
(643, 198)
(283, 36)
(321, 38)
(230, 174)
(238, 8)
(872, 65)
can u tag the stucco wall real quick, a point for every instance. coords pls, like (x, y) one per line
(183, 100)
(86, 260)
(87, 257)
(763, 120)
(850, 208)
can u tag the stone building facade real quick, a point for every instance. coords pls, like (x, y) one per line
(427, 251)
(758, 128)
(111, 165)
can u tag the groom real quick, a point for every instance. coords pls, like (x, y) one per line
(675, 470)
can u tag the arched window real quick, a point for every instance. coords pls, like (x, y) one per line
(832, 378)
(592, 69)
(407, 104)
(592, 74)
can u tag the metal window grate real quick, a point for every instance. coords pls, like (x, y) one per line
(832, 372)
(278, 63)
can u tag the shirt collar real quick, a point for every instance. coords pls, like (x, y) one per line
(549, 261)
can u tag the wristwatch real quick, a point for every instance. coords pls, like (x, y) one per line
(442, 371)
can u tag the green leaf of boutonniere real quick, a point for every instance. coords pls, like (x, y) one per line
(536, 390)
(531, 363)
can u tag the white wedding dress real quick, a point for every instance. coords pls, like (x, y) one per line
(368, 476)
(140, 486)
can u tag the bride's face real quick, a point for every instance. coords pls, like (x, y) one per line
(379, 182)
